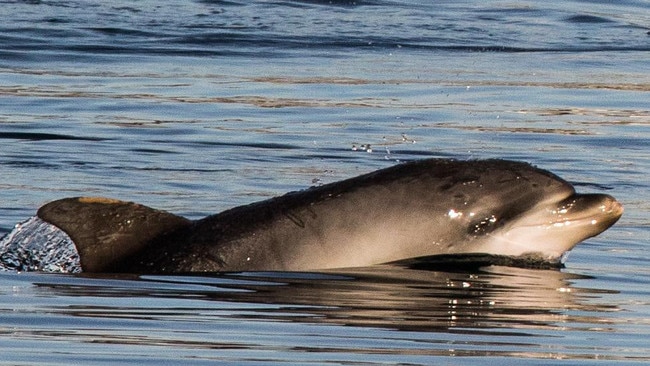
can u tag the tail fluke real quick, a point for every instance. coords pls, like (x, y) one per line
(107, 231)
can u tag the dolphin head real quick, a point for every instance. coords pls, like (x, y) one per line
(548, 230)
(530, 214)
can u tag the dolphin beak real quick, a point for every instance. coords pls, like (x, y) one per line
(600, 211)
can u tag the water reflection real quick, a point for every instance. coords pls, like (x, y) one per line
(386, 310)
(489, 299)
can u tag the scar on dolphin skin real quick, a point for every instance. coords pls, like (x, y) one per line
(496, 210)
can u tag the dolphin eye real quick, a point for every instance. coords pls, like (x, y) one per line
(484, 225)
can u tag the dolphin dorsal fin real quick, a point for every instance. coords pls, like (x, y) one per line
(107, 231)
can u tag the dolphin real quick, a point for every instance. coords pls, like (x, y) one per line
(434, 207)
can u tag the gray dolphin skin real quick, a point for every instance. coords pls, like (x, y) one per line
(415, 209)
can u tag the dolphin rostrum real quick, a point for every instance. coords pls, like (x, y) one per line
(422, 208)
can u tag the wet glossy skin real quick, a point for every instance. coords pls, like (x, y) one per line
(422, 208)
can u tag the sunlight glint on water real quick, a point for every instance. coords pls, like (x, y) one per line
(198, 106)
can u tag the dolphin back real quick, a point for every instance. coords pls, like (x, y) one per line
(492, 208)
(107, 231)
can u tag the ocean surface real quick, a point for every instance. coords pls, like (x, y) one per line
(198, 106)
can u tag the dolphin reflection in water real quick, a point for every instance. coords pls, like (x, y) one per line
(434, 208)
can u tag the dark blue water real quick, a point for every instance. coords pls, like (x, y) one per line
(198, 106)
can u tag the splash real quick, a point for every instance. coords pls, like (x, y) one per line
(35, 245)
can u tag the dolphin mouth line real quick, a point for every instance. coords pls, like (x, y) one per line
(609, 210)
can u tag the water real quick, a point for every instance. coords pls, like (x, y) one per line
(198, 106)
(36, 245)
